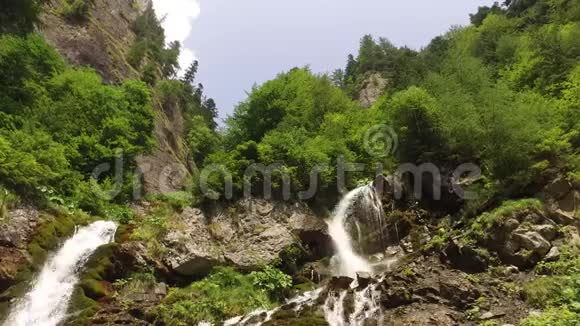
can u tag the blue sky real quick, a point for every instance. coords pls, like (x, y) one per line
(243, 42)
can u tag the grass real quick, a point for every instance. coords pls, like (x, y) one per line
(74, 9)
(486, 223)
(223, 294)
(558, 293)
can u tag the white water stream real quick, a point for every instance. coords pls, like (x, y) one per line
(349, 263)
(47, 303)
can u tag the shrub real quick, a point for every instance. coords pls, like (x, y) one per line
(224, 294)
(486, 223)
(75, 9)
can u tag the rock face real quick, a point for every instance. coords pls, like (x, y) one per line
(17, 230)
(563, 201)
(100, 41)
(248, 235)
(373, 88)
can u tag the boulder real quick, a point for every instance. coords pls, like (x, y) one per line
(340, 283)
(459, 293)
(532, 241)
(553, 254)
(547, 231)
(558, 188)
(363, 279)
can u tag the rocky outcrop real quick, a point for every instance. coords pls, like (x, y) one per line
(101, 40)
(563, 201)
(16, 232)
(372, 89)
(249, 234)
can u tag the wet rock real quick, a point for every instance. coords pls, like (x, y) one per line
(340, 283)
(396, 296)
(363, 279)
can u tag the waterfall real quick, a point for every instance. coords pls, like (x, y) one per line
(349, 263)
(362, 201)
(47, 303)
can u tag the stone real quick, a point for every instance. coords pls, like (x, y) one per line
(490, 315)
(363, 279)
(548, 231)
(558, 188)
(373, 88)
(340, 283)
(532, 241)
(563, 217)
(511, 224)
(512, 269)
(533, 218)
(459, 292)
(553, 254)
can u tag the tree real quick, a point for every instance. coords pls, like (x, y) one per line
(482, 13)
(191, 73)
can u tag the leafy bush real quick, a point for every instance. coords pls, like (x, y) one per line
(560, 316)
(75, 9)
(272, 280)
(223, 294)
(484, 225)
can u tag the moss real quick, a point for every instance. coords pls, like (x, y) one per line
(484, 225)
(95, 289)
(50, 234)
(82, 308)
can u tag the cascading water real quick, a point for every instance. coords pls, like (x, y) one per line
(47, 303)
(349, 263)
(365, 300)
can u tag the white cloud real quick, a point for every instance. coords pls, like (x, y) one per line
(177, 20)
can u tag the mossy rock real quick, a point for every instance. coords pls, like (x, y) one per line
(292, 318)
(95, 273)
(95, 289)
(50, 234)
(82, 308)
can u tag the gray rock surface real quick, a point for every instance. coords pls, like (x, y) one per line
(250, 234)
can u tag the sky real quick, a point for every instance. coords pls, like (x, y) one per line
(240, 43)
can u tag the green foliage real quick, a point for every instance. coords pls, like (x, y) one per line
(75, 9)
(149, 54)
(414, 116)
(222, 295)
(484, 225)
(560, 316)
(272, 281)
(57, 124)
(19, 16)
(152, 228)
(558, 292)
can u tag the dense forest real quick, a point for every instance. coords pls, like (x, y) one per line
(502, 93)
